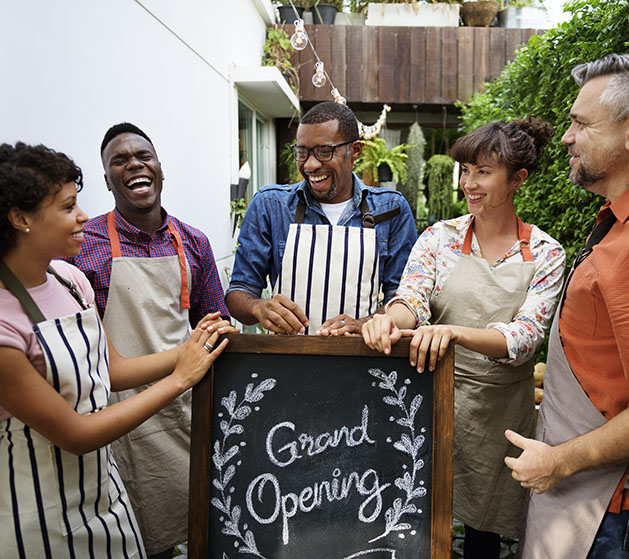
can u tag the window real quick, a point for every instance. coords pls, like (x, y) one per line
(254, 142)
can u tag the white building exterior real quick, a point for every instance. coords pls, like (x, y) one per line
(181, 70)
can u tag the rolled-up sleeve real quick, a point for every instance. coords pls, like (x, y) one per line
(526, 331)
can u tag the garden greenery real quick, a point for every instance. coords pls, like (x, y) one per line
(440, 187)
(538, 82)
(415, 166)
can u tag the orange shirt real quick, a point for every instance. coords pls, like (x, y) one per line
(594, 324)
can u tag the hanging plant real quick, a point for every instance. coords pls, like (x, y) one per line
(376, 153)
(277, 52)
(439, 186)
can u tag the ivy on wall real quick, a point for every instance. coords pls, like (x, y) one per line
(538, 82)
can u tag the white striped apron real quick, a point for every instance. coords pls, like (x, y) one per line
(54, 504)
(330, 270)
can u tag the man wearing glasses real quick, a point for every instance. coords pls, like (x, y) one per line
(333, 248)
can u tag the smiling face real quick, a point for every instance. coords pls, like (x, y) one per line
(133, 174)
(328, 181)
(599, 148)
(56, 226)
(488, 188)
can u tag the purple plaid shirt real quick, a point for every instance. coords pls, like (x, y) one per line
(206, 291)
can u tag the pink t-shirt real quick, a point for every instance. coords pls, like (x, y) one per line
(53, 299)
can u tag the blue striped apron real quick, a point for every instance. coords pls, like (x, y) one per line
(330, 270)
(54, 504)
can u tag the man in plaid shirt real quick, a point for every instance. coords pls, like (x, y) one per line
(154, 278)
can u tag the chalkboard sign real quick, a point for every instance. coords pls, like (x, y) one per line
(308, 448)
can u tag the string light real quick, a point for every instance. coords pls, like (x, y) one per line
(300, 40)
(319, 79)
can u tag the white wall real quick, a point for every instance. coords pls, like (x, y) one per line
(69, 69)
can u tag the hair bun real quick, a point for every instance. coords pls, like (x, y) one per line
(539, 130)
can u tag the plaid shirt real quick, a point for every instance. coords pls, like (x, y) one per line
(206, 291)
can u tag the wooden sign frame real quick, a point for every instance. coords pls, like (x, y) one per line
(443, 430)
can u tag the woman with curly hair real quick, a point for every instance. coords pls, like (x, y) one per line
(60, 491)
(489, 283)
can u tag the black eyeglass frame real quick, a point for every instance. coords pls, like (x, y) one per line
(312, 150)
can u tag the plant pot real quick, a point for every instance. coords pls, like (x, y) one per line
(384, 173)
(287, 15)
(421, 15)
(480, 13)
(527, 17)
(323, 13)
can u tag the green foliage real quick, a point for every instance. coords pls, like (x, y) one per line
(538, 82)
(237, 211)
(376, 152)
(415, 166)
(440, 187)
(524, 3)
(356, 6)
(297, 3)
(292, 170)
(277, 52)
(337, 3)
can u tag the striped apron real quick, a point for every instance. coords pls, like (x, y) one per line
(330, 270)
(54, 504)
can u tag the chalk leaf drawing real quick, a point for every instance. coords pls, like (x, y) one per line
(225, 452)
(410, 444)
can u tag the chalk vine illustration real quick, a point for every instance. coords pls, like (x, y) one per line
(223, 455)
(410, 444)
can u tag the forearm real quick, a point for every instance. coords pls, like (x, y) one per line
(90, 432)
(487, 341)
(402, 316)
(605, 446)
(242, 305)
(131, 372)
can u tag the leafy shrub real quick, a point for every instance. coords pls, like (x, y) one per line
(440, 187)
(538, 82)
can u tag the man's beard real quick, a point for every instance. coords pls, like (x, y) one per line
(585, 177)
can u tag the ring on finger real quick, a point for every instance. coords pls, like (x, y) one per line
(343, 322)
(208, 347)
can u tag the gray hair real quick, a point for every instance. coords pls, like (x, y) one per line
(616, 94)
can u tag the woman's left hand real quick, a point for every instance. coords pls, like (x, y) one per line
(429, 342)
(213, 322)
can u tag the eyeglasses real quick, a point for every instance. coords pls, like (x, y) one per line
(322, 153)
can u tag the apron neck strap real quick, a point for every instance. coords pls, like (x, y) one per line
(23, 296)
(175, 238)
(369, 221)
(524, 236)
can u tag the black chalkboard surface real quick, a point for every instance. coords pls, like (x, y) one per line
(310, 448)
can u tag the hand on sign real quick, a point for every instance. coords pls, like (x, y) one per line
(380, 332)
(431, 342)
(280, 315)
(342, 324)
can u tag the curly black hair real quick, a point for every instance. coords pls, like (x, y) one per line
(28, 174)
(330, 110)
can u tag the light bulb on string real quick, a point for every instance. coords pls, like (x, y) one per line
(319, 79)
(299, 39)
(338, 98)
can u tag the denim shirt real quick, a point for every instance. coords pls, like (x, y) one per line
(264, 230)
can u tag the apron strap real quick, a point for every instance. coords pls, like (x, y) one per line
(17, 289)
(524, 236)
(369, 221)
(175, 238)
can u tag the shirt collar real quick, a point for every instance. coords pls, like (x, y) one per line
(360, 192)
(132, 232)
(620, 207)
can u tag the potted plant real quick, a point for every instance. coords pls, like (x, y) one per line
(522, 14)
(354, 13)
(479, 13)
(325, 12)
(286, 12)
(429, 13)
(376, 155)
(277, 51)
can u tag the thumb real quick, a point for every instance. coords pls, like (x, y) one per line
(516, 439)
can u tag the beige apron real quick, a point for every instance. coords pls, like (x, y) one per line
(562, 523)
(147, 312)
(330, 270)
(489, 397)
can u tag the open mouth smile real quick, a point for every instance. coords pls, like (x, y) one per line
(139, 184)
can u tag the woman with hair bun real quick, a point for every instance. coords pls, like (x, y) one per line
(60, 491)
(489, 283)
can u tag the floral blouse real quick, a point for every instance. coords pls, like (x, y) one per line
(437, 251)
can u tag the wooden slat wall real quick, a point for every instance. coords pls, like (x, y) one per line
(436, 65)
